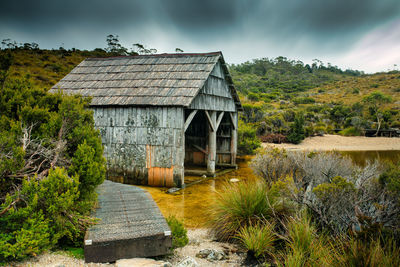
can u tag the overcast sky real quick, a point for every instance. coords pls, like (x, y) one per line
(357, 34)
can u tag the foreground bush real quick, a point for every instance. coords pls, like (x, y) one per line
(51, 160)
(340, 195)
(179, 233)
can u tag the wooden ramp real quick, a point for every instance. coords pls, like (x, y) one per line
(131, 225)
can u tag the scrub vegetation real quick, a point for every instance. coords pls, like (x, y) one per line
(313, 209)
(286, 100)
(51, 157)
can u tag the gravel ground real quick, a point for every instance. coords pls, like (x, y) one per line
(198, 239)
(343, 143)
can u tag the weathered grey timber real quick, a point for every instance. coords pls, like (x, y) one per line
(131, 225)
(152, 113)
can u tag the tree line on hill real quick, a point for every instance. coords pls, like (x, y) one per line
(276, 93)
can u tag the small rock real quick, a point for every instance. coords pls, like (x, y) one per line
(194, 242)
(211, 255)
(141, 262)
(204, 176)
(188, 262)
(234, 180)
(173, 190)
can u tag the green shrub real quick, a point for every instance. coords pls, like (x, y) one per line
(91, 172)
(257, 239)
(304, 100)
(179, 233)
(391, 179)
(351, 131)
(248, 141)
(51, 160)
(46, 214)
(296, 132)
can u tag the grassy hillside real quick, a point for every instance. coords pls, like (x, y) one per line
(272, 91)
(43, 68)
(275, 91)
(352, 90)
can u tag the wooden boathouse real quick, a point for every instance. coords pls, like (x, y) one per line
(160, 114)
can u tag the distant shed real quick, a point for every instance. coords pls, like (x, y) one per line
(158, 114)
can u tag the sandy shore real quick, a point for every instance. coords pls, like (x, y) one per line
(343, 143)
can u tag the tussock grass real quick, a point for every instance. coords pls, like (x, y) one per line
(258, 239)
(245, 204)
(305, 247)
(237, 206)
(371, 254)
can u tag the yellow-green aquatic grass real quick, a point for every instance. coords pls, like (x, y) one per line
(258, 239)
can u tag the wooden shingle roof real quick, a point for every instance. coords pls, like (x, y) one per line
(160, 80)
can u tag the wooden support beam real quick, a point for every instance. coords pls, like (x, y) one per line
(201, 149)
(234, 125)
(210, 122)
(220, 116)
(234, 136)
(189, 119)
(212, 143)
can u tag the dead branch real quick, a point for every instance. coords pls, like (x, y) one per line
(12, 204)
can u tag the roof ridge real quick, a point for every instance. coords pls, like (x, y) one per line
(217, 53)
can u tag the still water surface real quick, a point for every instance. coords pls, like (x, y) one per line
(192, 204)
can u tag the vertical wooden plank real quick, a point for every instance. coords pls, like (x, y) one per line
(234, 138)
(212, 144)
(134, 119)
(139, 117)
(164, 117)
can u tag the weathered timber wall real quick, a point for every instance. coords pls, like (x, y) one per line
(215, 94)
(224, 135)
(145, 145)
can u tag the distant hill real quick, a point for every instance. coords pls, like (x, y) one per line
(272, 91)
(46, 67)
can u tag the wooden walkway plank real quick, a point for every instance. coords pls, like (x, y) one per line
(131, 225)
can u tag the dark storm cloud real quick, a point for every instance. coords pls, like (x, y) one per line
(215, 17)
(276, 26)
(45, 15)
(200, 15)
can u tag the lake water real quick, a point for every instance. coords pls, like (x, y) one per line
(361, 157)
(192, 204)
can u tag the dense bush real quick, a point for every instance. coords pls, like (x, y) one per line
(179, 233)
(296, 132)
(343, 197)
(248, 141)
(50, 162)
